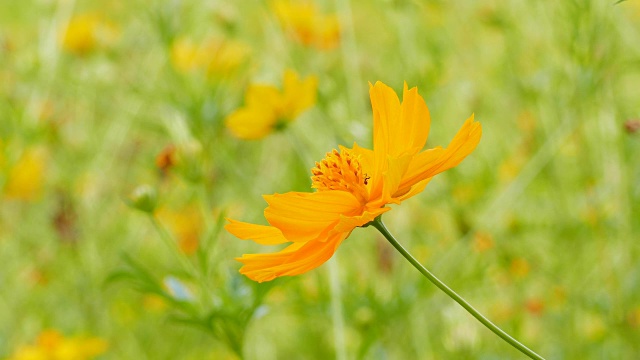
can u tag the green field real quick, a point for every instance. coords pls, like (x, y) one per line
(109, 105)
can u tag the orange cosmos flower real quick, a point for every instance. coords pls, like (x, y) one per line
(353, 185)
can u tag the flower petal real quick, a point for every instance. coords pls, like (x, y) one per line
(434, 161)
(420, 161)
(393, 176)
(265, 235)
(367, 161)
(298, 95)
(398, 128)
(265, 96)
(309, 216)
(386, 113)
(366, 157)
(251, 123)
(293, 260)
(348, 223)
(413, 129)
(403, 195)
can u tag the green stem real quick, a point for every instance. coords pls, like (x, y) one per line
(187, 265)
(378, 224)
(172, 246)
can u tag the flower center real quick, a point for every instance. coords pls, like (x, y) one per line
(341, 171)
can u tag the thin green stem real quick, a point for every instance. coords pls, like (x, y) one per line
(184, 262)
(378, 224)
(172, 246)
(336, 309)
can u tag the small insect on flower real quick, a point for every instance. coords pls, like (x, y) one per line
(353, 185)
(267, 108)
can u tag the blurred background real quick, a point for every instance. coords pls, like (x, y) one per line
(109, 106)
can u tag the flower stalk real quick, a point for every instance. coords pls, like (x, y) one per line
(378, 224)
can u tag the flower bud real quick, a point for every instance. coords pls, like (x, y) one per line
(632, 126)
(144, 198)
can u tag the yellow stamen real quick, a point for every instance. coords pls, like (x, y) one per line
(341, 171)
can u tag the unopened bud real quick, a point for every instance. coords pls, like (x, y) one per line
(144, 198)
(166, 159)
(632, 126)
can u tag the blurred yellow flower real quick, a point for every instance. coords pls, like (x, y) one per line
(354, 186)
(633, 317)
(267, 108)
(303, 21)
(519, 267)
(51, 345)
(26, 177)
(217, 58)
(186, 225)
(154, 303)
(593, 326)
(482, 241)
(2, 156)
(534, 306)
(634, 10)
(85, 32)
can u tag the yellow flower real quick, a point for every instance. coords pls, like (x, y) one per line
(267, 108)
(353, 187)
(303, 21)
(154, 303)
(2, 156)
(183, 55)
(85, 32)
(26, 177)
(51, 345)
(216, 57)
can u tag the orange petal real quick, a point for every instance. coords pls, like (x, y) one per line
(420, 161)
(398, 128)
(366, 157)
(386, 113)
(404, 194)
(432, 162)
(413, 129)
(265, 235)
(348, 223)
(367, 161)
(293, 260)
(386, 116)
(309, 216)
(393, 175)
